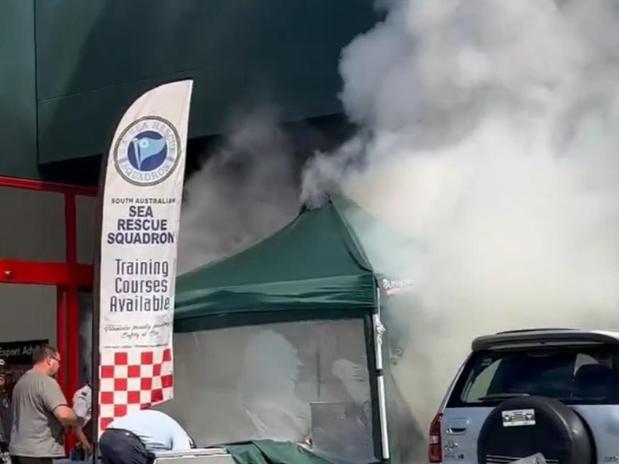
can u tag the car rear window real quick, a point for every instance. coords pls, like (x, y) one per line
(576, 375)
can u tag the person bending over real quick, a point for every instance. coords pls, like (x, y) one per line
(134, 438)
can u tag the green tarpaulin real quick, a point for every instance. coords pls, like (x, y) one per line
(314, 264)
(272, 452)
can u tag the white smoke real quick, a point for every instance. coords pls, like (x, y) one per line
(490, 140)
(243, 193)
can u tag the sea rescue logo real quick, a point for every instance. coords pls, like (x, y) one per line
(147, 151)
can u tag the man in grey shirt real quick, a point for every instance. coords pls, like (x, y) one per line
(40, 412)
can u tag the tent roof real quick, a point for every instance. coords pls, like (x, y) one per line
(313, 264)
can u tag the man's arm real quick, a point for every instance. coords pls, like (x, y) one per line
(81, 436)
(54, 401)
(65, 415)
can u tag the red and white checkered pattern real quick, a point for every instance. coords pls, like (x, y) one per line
(133, 380)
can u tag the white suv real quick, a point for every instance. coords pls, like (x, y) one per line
(520, 393)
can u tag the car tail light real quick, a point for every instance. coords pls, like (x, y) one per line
(435, 452)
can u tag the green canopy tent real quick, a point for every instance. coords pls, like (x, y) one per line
(312, 265)
(313, 269)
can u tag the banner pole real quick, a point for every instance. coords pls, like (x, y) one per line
(96, 310)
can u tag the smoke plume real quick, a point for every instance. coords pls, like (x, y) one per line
(244, 192)
(489, 142)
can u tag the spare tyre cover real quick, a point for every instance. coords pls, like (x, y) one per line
(521, 427)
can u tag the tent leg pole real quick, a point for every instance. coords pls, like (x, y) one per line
(383, 416)
(379, 329)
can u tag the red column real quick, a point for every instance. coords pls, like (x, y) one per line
(61, 335)
(72, 307)
(72, 357)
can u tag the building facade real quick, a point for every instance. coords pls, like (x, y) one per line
(69, 69)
